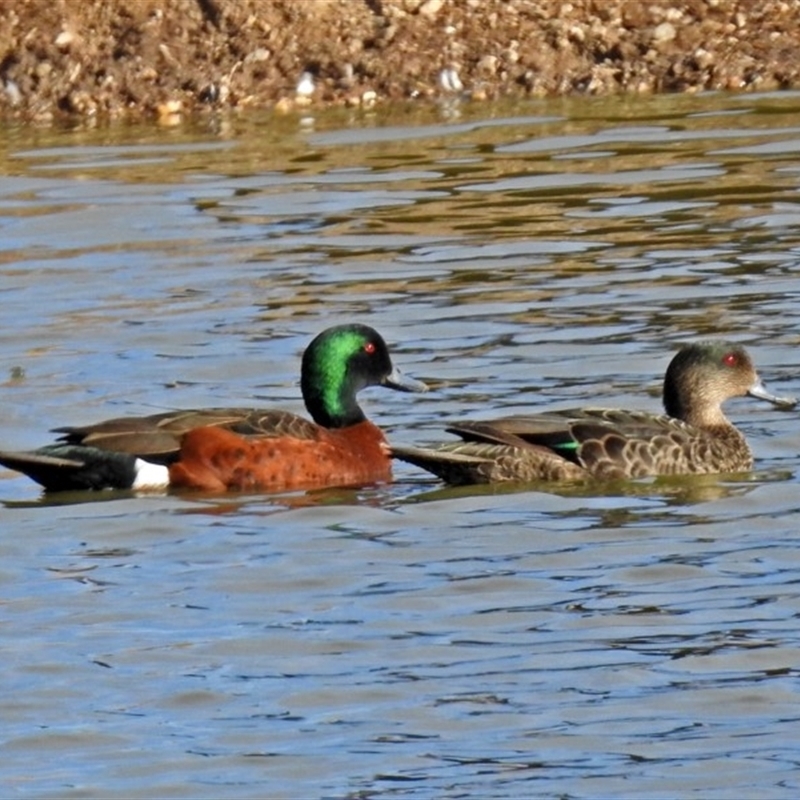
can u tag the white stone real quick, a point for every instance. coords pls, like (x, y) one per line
(665, 32)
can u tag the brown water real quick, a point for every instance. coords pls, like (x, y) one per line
(408, 640)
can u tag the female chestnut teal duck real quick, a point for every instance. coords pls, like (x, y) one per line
(593, 443)
(239, 448)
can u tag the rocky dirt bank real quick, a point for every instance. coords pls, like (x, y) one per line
(167, 58)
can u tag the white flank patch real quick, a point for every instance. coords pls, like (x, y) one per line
(150, 476)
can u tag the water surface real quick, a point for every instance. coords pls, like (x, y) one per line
(406, 640)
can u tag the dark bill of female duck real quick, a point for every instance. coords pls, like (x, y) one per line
(760, 392)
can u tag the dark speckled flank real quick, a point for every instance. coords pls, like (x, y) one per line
(694, 437)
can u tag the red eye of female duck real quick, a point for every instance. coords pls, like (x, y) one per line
(730, 359)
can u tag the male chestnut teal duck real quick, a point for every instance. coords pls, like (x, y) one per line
(239, 448)
(693, 437)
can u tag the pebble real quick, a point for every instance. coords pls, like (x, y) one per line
(430, 8)
(64, 40)
(488, 64)
(664, 32)
(305, 86)
(449, 80)
(259, 54)
(13, 93)
(169, 112)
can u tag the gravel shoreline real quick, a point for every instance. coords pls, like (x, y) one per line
(151, 59)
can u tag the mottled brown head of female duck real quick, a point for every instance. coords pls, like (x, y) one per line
(703, 375)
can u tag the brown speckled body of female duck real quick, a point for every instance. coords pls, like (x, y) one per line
(693, 437)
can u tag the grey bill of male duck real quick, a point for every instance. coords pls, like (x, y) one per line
(693, 437)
